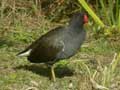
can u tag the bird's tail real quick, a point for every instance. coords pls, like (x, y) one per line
(24, 53)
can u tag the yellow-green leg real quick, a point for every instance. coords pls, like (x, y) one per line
(53, 73)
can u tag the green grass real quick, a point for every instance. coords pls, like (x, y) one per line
(18, 73)
(93, 67)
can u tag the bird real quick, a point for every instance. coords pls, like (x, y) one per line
(60, 43)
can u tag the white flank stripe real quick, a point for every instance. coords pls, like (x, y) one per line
(25, 53)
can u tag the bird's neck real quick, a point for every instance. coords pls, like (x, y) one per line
(76, 24)
(76, 28)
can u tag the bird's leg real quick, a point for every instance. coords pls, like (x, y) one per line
(53, 73)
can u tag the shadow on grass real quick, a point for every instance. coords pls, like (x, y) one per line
(45, 71)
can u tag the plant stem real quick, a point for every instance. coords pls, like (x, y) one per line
(91, 13)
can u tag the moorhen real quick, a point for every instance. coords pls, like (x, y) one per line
(59, 43)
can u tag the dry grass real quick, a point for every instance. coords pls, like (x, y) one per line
(94, 67)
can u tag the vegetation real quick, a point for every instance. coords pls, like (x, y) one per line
(97, 64)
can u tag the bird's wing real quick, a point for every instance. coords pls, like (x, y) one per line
(46, 50)
(27, 51)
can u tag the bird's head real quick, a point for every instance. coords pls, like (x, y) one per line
(79, 19)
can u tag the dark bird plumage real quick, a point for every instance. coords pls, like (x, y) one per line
(57, 44)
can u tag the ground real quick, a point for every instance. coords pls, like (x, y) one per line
(75, 73)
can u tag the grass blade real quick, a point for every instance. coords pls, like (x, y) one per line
(91, 13)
